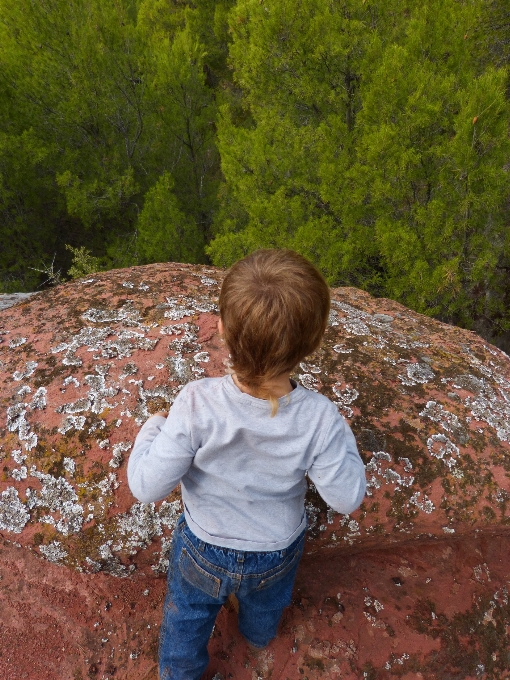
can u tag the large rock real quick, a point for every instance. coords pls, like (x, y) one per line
(83, 365)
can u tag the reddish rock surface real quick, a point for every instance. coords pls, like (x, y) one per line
(421, 568)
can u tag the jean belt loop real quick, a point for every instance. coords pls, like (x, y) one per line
(201, 546)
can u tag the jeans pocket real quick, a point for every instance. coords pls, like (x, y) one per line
(197, 576)
(273, 577)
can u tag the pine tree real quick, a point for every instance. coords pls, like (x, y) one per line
(366, 137)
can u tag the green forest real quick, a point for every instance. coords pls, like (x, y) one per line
(372, 136)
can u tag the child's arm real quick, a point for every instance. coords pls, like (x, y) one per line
(338, 471)
(161, 455)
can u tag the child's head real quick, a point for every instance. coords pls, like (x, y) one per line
(274, 306)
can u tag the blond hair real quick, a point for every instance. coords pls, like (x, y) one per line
(274, 305)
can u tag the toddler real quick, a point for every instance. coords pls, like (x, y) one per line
(242, 446)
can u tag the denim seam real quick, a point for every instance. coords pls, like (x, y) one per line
(200, 558)
(266, 582)
(275, 570)
(262, 575)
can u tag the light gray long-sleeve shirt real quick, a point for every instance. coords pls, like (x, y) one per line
(242, 472)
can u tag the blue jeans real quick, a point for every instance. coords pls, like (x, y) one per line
(201, 576)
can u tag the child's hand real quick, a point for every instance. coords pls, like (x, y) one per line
(160, 413)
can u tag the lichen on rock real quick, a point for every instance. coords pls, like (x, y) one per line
(428, 403)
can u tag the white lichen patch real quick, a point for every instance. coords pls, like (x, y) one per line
(180, 308)
(17, 342)
(129, 369)
(308, 381)
(375, 606)
(356, 322)
(71, 380)
(372, 483)
(353, 529)
(19, 474)
(54, 552)
(69, 466)
(13, 513)
(16, 422)
(441, 447)
(494, 412)
(377, 342)
(18, 456)
(99, 390)
(310, 368)
(98, 425)
(54, 492)
(417, 373)
(127, 342)
(106, 486)
(356, 327)
(71, 518)
(72, 422)
(342, 349)
(380, 474)
(117, 453)
(206, 281)
(87, 337)
(29, 370)
(425, 505)
(333, 318)
(95, 339)
(447, 420)
(393, 477)
(345, 397)
(160, 391)
(187, 342)
(57, 496)
(82, 404)
(500, 597)
(481, 573)
(174, 329)
(383, 319)
(180, 369)
(137, 527)
(399, 661)
(312, 511)
(39, 399)
(127, 314)
(169, 513)
(161, 567)
(491, 402)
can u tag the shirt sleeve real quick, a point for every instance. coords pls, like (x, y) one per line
(338, 471)
(161, 454)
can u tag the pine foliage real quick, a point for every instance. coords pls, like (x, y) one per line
(372, 136)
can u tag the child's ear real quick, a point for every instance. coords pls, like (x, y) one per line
(220, 326)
